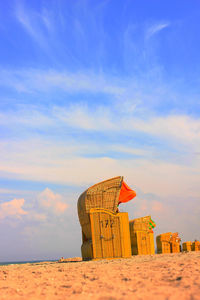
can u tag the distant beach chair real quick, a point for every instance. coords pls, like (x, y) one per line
(163, 243)
(142, 236)
(175, 243)
(187, 246)
(196, 246)
(105, 231)
(168, 243)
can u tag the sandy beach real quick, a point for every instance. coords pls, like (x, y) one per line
(164, 276)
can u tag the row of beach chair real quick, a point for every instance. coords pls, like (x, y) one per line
(108, 233)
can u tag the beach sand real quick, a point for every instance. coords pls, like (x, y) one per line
(159, 276)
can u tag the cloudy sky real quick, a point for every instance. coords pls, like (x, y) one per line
(91, 90)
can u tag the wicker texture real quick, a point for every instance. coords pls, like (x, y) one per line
(187, 246)
(168, 243)
(110, 235)
(101, 195)
(175, 247)
(152, 245)
(140, 224)
(163, 242)
(164, 237)
(175, 243)
(142, 243)
(86, 250)
(196, 246)
(142, 240)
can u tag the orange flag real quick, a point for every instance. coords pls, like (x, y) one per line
(126, 193)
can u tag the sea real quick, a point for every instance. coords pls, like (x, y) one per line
(25, 262)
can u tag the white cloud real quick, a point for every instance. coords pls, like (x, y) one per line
(30, 117)
(181, 128)
(9, 191)
(144, 207)
(37, 25)
(12, 208)
(80, 117)
(43, 159)
(152, 30)
(170, 128)
(146, 173)
(39, 217)
(45, 80)
(49, 200)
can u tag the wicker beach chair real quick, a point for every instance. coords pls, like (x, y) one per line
(196, 246)
(187, 246)
(142, 236)
(105, 232)
(175, 243)
(163, 242)
(168, 243)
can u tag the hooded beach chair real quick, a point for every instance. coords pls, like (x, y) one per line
(175, 243)
(105, 231)
(196, 246)
(142, 236)
(187, 246)
(168, 242)
(163, 242)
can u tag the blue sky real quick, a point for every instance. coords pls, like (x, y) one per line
(90, 90)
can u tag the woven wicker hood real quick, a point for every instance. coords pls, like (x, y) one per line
(104, 194)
